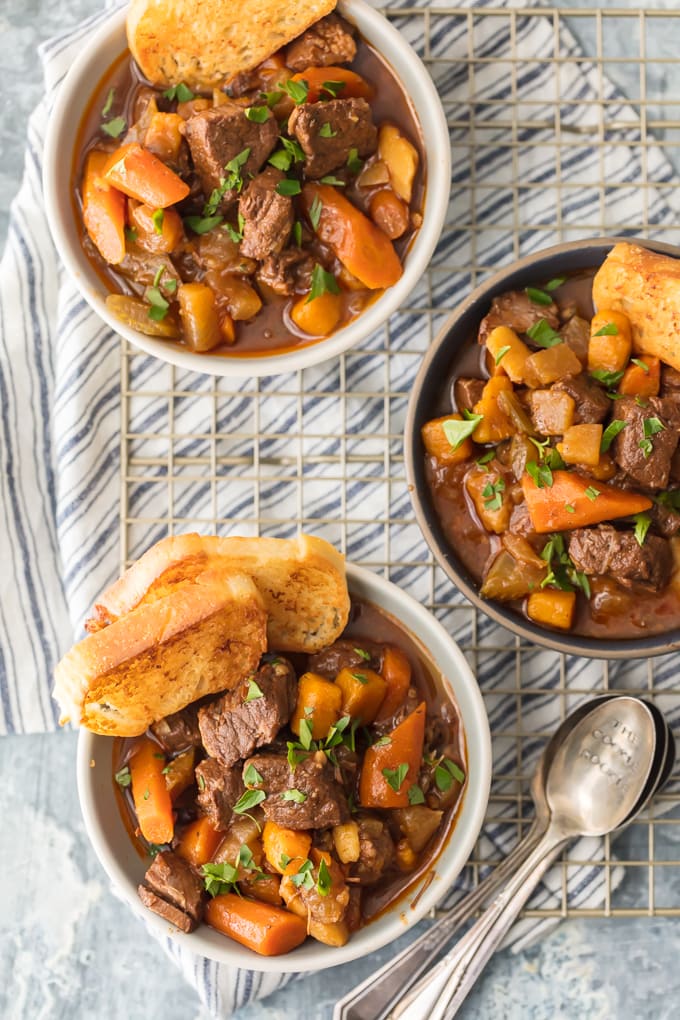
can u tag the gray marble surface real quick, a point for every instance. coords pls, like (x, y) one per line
(68, 948)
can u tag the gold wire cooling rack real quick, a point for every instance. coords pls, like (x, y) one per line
(545, 148)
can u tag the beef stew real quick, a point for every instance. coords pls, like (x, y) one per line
(261, 217)
(552, 465)
(303, 802)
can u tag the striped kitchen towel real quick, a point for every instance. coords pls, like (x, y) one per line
(60, 411)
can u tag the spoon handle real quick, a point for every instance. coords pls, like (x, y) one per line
(439, 995)
(371, 1000)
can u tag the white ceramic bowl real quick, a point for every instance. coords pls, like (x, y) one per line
(99, 53)
(126, 868)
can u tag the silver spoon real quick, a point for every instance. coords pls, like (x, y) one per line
(372, 999)
(598, 778)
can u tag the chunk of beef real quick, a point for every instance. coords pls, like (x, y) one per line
(650, 463)
(328, 41)
(516, 310)
(178, 731)
(233, 726)
(324, 803)
(327, 132)
(520, 521)
(665, 520)
(268, 216)
(216, 135)
(288, 273)
(346, 653)
(604, 550)
(466, 393)
(576, 334)
(670, 380)
(376, 850)
(218, 790)
(592, 403)
(166, 910)
(176, 884)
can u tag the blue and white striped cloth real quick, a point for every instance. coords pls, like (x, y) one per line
(60, 407)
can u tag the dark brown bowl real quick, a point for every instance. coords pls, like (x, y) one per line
(436, 366)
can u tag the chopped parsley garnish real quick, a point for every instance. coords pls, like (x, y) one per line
(234, 234)
(361, 677)
(354, 164)
(297, 796)
(610, 433)
(303, 877)
(201, 782)
(147, 794)
(232, 181)
(330, 179)
(640, 364)
(543, 335)
(157, 218)
(297, 90)
(297, 233)
(363, 654)
(332, 87)
(538, 297)
(396, 777)
(254, 691)
(131, 234)
(289, 186)
(382, 742)
(322, 283)
(106, 108)
(251, 777)
(457, 432)
(257, 114)
(570, 508)
(609, 329)
(670, 498)
(159, 306)
(324, 881)
(592, 493)
(416, 795)
(115, 127)
(607, 378)
(315, 212)
(650, 427)
(642, 523)
(123, 777)
(541, 474)
(306, 734)
(562, 573)
(486, 457)
(554, 284)
(492, 494)
(326, 131)
(291, 153)
(501, 354)
(247, 800)
(182, 93)
(219, 878)
(271, 98)
(445, 773)
(202, 224)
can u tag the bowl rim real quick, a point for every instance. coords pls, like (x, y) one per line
(427, 632)
(596, 648)
(421, 92)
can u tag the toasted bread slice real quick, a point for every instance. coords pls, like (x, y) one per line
(204, 636)
(645, 285)
(202, 42)
(301, 580)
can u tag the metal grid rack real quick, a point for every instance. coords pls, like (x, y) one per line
(545, 148)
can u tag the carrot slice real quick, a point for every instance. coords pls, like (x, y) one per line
(574, 501)
(103, 210)
(138, 173)
(198, 842)
(396, 670)
(353, 85)
(362, 247)
(267, 930)
(150, 793)
(384, 781)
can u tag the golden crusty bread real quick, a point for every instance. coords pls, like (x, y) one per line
(301, 580)
(202, 637)
(202, 42)
(646, 286)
